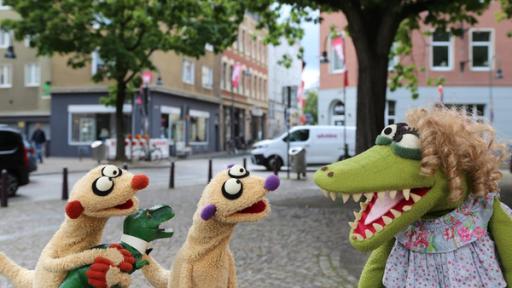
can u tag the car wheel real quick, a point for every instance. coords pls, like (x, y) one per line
(274, 162)
(12, 184)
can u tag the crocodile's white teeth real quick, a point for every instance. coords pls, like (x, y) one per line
(406, 193)
(381, 195)
(415, 197)
(326, 194)
(333, 196)
(368, 233)
(356, 197)
(345, 197)
(406, 208)
(169, 230)
(392, 194)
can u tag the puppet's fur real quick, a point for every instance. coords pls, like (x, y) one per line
(87, 214)
(205, 259)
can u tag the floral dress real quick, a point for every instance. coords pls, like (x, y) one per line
(454, 250)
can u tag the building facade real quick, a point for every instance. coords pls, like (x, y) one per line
(183, 105)
(279, 78)
(24, 82)
(476, 67)
(245, 108)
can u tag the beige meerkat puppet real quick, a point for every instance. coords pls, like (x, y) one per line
(205, 259)
(103, 192)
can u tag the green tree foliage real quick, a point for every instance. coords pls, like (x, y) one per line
(311, 106)
(125, 33)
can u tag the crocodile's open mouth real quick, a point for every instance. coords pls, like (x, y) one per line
(379, 209)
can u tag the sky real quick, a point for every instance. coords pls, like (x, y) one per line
(310, 42)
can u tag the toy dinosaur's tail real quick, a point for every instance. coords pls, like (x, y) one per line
(18, 275)
(157, 275)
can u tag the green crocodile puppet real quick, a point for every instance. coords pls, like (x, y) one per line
(139, 229)
(430, 212)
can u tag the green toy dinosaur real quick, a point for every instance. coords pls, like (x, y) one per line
(139, 229)
(436, 175)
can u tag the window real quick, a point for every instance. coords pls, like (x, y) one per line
(475, 111)
(336, 54)
(391, 111)
(89, 127)
(441, 55)
(298, 136)
(208, 47)
(172, 126)
(207, 77)
(481, 50)
(5, 76)
(26, 41)
(198, 126)
(5, 38)
(32, 75)
(97, 64)
(187, 71)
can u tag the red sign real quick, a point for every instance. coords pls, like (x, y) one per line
(147, 76)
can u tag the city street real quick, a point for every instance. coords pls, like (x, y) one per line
(302, 243)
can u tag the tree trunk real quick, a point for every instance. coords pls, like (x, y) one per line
(120, 136)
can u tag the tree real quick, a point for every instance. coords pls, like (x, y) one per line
(312, 106)
(373, 26)
(125, 33)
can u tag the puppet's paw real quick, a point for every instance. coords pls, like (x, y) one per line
(115, 277)
(113, 254)
(128, 260)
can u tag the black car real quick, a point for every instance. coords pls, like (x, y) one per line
(14, 158)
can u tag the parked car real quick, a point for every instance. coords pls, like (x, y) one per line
(14, 158)
(323, 144)
(32, 157)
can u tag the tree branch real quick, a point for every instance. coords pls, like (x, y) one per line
(417, 7)
(134, 73)
(139, 39)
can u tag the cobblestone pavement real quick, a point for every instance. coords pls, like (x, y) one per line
(301, 244)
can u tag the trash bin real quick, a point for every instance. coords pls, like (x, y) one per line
(298, 161)
(98, 151)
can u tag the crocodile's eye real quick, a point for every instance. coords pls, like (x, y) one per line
(102, 186)
(408, 146)
(386, 136)
(237, 171)
(111, 171)
(232, 189)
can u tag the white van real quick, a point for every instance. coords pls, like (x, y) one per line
(323, 144)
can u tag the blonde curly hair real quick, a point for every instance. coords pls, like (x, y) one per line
(456, 144)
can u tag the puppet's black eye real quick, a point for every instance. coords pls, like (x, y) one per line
(238, 171)
(102, 186)
(389, 131)
(232, 189)
(111, 171)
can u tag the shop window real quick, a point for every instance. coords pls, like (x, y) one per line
(198, 127)
(89, 127)
(32, 75)
(481, 49)
(172, 128)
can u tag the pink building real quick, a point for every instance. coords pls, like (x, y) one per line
(477, 68)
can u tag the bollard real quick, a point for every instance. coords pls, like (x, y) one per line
(65, 195)
(125, 166)
(276, 172)
(209, 170)
(3, 189)
(171, 176)
(245, 163)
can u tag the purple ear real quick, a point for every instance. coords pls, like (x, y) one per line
(208, 212)
(230, 165)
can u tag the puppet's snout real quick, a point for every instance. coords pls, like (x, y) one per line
(271, 183)
(140, 181)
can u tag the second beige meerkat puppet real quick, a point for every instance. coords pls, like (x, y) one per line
(103, 192)
(205, 260)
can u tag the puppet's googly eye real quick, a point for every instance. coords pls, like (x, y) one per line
(389, 131)
(111, 171)
(409, 141)
(102, 186)
(237, 171)
(232, 189)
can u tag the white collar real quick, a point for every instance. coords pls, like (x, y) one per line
(137, 243)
